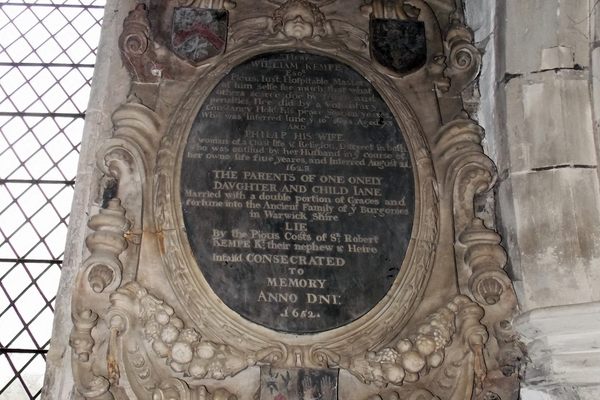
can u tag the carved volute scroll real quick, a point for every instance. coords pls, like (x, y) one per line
(372, 276)
(103, 268)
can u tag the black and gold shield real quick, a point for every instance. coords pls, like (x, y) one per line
(398, 45)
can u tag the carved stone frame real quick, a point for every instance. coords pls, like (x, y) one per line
(135, 334)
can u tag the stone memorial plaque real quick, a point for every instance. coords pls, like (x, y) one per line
(298, 193)
(279, 205)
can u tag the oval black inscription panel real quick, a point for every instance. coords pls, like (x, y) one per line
(297, 192)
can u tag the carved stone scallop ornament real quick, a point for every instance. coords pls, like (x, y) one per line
(288, 217)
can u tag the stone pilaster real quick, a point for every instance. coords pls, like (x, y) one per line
(539, 108)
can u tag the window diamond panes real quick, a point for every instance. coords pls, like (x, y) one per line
(47, 55)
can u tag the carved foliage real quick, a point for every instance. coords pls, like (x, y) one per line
(134, 315)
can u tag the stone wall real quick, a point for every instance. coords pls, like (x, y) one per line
(110, 85)
(539, 106)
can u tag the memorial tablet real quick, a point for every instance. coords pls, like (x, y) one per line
(298, 192)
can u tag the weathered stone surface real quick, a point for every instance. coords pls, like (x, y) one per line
(556, 236)
(535, 25)
(563, 345)
(490, 115)
(549, 121)
(549, 126)
(557, 57)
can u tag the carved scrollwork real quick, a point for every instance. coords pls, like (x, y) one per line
(134, 143)
(103, 267)
(463, 58)
(127, 159)
(136, 45)
(466, 172)
(463, 167)
(486, 259)
(136, 35)
(89, 385)
(139, 124)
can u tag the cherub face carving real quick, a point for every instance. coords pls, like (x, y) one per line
(299, 19)
(298, 22)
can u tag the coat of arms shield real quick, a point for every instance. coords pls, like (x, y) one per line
(399, 45)
(198, 34)
(298, 384)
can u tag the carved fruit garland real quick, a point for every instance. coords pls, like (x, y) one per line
(183, 349)
(411, 358)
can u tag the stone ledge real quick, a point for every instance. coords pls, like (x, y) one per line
(563, 343)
